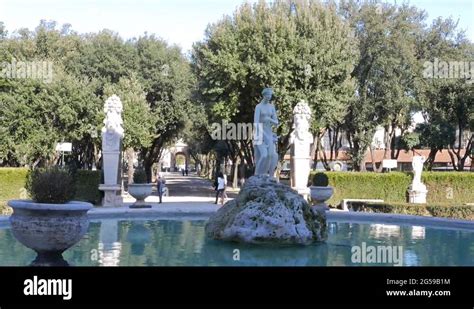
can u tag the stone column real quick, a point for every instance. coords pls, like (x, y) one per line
(112, 135)
(301, 140)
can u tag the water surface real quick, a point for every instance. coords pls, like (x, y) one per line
(183, 243)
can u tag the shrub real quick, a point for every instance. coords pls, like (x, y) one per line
(139, 176)
(449, 187)
(12, 186)
(320, 180)
(51, 185)
(443, 187)
(446, 211)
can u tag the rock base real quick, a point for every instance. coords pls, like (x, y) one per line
(267, 212)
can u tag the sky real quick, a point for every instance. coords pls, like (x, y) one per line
(180, 22)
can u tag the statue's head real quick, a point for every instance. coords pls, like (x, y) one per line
(113, 120)
(267, 94)
(301, 119)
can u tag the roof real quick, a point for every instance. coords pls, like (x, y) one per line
(442, 156)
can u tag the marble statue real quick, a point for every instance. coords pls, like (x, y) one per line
(417, 191)
(417, 165)
(112, 135)
(265, 118)
(301, 140)
(266, 211)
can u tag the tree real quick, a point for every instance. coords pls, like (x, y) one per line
(153, 79)
(305, 56)
(385, 72)
(447, 102)
(168, 82)
(36, 115)
(452, 111)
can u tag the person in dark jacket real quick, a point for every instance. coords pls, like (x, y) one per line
(160, 184)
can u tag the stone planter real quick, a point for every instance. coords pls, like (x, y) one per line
(320, 195)
(140, 191)
(49, 229)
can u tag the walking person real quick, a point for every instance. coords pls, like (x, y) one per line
(220, 187)
(160, 184)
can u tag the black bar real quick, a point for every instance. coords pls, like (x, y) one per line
(242, 285)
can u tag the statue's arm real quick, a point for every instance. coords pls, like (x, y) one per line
(256, 119)
(274, 116)
(256, 114)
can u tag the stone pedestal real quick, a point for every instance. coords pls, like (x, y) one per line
(112, 195)
(417, 194)
(300, 169)
(110, 167)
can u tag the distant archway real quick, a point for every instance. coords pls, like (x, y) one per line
(179, 157)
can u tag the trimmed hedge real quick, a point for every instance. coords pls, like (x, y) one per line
(446, 211)
(443, 187)
(12, 182)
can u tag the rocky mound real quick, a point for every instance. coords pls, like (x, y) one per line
(267, 212)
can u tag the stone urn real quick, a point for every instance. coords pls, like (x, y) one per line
(320, 195)
(140, 191)
(49, 229)
(320, 190)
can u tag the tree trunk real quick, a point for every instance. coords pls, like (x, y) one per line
(130, 156)
(148, 165)
(235, 176)
(431, 158)
(387, 149)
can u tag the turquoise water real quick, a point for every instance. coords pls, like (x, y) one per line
(183, 243)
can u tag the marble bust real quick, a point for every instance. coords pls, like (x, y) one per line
(112, 132)
(265, 118)
(301, 136)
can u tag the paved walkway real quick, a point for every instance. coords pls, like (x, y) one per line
(190, 190)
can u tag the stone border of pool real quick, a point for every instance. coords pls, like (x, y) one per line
(201, 210)
(398, 219)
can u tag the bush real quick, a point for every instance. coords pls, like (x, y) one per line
(449, 187)
(320, 180)
(443, 187)
(139, 176)
(12, 186)
(51, 185)
(446, 211)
